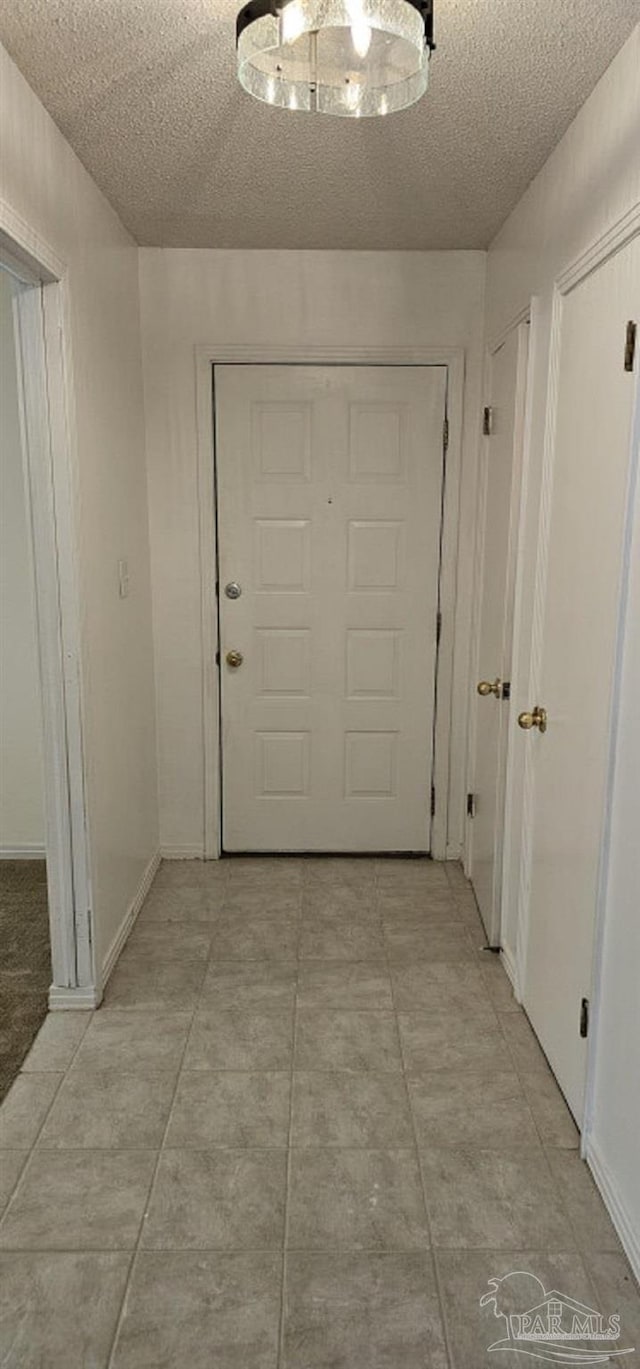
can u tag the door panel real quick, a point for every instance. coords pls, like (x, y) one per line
(584, 564)
(329, 506)
(502, 486)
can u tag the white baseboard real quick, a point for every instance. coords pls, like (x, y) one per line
(614, 1204)
(509, 964)
(182, 852)
(125, 928)
(66, 1000)
(27, 851)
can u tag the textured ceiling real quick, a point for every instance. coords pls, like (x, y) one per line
(146, 93)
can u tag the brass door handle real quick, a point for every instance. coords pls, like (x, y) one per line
(485, 687)
(234, 659)
(538, 718)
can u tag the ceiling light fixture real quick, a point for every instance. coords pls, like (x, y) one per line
(348, 57)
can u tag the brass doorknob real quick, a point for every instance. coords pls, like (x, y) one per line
(538, 718)
(485, 687)
(234, 659)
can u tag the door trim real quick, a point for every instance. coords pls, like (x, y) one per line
(617, 236)
(41, 315)
(206, 358)
(512, 832)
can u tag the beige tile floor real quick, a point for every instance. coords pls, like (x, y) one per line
(307, 1126)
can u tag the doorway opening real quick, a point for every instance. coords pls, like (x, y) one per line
(45, 913)
(25, 961)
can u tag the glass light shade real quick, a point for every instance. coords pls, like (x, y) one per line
(356, 58)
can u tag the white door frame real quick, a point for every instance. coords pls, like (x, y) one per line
(206, 357)
(617, 236)
(512, 836)
(46, 398)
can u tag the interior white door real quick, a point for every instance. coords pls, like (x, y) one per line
(584, 564)
(501, 487)
(329, 491)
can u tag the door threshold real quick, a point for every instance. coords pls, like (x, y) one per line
(330, 855)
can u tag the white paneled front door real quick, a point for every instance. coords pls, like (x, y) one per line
(329, 482)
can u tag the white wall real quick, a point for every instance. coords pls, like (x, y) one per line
(588, 184)
(292, 299)
(44, 184)
(21, 777)
(589, 181)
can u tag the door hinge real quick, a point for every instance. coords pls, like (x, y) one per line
(471, 805)
(487, 420)
(630, 345)
(445, 434)
(584, 1017)
(433, 800)
(217, 658)
(438, 627)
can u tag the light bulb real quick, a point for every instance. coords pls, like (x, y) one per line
(292, 20)
(384, 105)
(361, 37)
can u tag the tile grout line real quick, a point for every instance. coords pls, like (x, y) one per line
(289, 1155)
(309, 1249)
(432, 1254)
(149, 1198)
(31, 1150)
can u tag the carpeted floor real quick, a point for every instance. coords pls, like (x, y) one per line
(25, 961)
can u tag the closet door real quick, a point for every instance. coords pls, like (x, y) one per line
(501, 489)
(588, 497)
